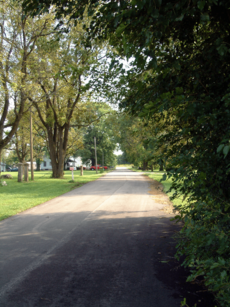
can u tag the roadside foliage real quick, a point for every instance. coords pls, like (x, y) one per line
(138, 139)
(182, 74)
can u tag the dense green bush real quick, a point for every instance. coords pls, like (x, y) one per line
(205, 240)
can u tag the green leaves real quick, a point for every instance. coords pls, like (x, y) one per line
(177, 65)
(155, 13)
(201, 4)
(222, 49)
(223, 275)
(180, 18)
(121, 28)
(220, 148)
(224, 149)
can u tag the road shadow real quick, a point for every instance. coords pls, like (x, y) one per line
(109, 261)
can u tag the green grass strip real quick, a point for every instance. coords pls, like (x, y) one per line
(20, 196)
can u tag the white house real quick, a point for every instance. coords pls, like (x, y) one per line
(77, 162)
(46, 164)
(71, 162)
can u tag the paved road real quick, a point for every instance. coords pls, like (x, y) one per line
(97, 246)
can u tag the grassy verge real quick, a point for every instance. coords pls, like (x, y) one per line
(19, 196)
(157, 175)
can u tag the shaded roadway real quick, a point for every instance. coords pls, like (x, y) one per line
(107, 243)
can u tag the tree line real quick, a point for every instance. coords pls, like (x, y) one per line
(49, 72)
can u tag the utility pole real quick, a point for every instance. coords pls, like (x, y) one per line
(31, 147)
(95, 152)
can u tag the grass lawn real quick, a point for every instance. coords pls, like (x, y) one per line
(19, 196)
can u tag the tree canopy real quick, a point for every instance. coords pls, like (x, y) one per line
(59, 71)
(18, 35)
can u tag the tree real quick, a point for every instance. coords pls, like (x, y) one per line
(138, 139)
(122, 159)
(103, 130)
(10, 158)
(60, 93)
(18, 35)
(75, 142)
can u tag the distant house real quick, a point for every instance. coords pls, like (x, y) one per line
(76, 162)
(3, 167)
(46, 164)
(71, 162)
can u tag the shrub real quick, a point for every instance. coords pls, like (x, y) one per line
(205, 240)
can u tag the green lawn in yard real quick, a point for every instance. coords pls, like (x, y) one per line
(19, 196)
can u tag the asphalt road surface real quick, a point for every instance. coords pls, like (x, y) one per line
(105, 244)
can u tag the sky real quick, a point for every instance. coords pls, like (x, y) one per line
(118, 152)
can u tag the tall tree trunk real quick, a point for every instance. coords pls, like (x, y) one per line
(38, 164)
(161, 165)
(145, 165)
(57, 148)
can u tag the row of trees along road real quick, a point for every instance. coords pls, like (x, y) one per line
(50, 70)
(105, 132)
(139, 141)
(19, 148)
(180, 74)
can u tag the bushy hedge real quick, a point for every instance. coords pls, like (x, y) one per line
(205, 240)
